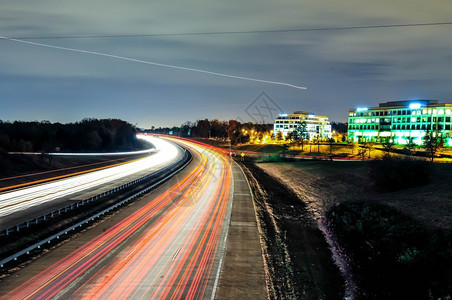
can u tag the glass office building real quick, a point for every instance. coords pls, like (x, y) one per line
(400, 122)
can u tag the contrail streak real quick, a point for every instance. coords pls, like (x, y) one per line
(155, 63)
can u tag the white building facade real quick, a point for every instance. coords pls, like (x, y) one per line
(310, 125)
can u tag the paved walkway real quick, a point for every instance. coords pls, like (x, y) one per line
(242, 276)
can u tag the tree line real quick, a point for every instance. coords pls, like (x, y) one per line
(232, 130)
(87, 135)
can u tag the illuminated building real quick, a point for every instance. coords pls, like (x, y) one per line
(400, 122)
(310, 125)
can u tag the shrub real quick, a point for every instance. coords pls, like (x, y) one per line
(392, 173)
(392, 256)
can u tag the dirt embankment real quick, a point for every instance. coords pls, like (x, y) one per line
(296, 255)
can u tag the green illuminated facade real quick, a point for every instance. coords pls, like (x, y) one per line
(400, 122)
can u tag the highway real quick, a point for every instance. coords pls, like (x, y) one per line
(169, 248)
(17, 201)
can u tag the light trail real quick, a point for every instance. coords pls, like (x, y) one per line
(62, 169)
(172, 258)
(147, 151)
(10, 187)
(154, 63)
(22, 199)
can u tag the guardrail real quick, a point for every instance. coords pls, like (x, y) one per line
(187, 157)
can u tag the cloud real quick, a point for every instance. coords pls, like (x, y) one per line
(340, 68)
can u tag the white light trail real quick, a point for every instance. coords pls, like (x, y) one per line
(18, 200)
(154, 63)
(147, 151)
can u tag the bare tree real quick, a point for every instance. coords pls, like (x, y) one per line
(331, 142)
(362, 152)
(388, 146)
(409, 147)
(353, 147)
(433, 143)
(369, 146)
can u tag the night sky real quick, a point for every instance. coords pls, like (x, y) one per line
(341, 69)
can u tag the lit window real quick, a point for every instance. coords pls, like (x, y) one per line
(413, 112)
(418, 112)
(447, 111)
(424, 111)
(429, 111)
(413, 120)
(434, 111)
(441, 112)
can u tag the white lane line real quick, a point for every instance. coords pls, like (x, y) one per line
(177, 252)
